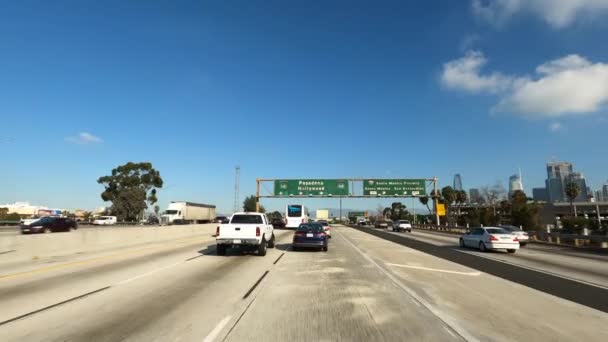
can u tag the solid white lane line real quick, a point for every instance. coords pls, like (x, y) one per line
(213, 334)
(149, 273)
(533, 269)
(447, 319)
(366, 239)
(434, 269)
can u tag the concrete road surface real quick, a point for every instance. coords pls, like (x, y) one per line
(363, 289)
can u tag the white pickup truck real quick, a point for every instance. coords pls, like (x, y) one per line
(245, 230)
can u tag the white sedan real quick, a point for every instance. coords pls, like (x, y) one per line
(489, 238)
(326, 227)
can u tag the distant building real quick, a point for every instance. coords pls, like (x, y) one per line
(605, 192)
(540, 195)
(515, 184)
(25, 209)
(322, 214)
(557, 172)
(475, 196)
(457, 182)
(599, 196)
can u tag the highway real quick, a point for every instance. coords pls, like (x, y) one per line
(365, 288)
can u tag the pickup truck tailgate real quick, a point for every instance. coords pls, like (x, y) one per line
(239, 231)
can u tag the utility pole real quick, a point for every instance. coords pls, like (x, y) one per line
(237, 174)
(340, 210)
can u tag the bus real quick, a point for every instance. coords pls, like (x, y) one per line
(295, 214)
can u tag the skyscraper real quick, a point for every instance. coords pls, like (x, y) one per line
(515, 184)
(605, 192)
(540, 194)
(457, 182)
(557, 172)
(475, 196)
(599, 196)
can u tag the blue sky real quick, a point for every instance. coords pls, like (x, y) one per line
(296, 89)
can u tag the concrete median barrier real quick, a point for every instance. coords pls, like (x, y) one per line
(24, 247)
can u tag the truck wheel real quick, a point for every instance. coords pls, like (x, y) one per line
(262, 248)
(271, 242)
(221, 249)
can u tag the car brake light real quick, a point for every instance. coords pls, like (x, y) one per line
(320, 234)
(257, 231)
(516, 239)
(217, 231)
(493, 238)
(302, 220)
(299, 234)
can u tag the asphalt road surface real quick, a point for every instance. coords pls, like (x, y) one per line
(584, 266)
(364, 288)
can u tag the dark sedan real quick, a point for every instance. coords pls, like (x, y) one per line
(49, 224)
(310, 235)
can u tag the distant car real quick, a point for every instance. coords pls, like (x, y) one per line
(362, 223)
(490, 238)
(326, 227)
(522, 236)
(105, 220)
(310, 235)
(278, 223)
(49, 224)
(402, 226)
(381, 224)
(221, 219)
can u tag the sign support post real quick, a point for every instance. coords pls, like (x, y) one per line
(257, 196)
(436, 199)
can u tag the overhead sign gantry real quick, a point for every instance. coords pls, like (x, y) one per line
(345, 188)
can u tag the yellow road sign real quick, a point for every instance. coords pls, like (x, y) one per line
(441, 209)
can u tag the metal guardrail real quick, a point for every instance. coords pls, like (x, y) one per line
(572, 240)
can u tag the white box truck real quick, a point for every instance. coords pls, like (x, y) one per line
(188, 212)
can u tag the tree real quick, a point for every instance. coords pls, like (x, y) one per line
(492, 195)
(386, 212)
(249, 205)
(448, 196)
(129, 187)
(425, 201)
(398, 211)
(572, 192)
(380, 212)
(461, 198)
(275, 215)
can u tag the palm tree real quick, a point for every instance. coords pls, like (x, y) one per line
(572, 192)
(448, 194)
(425, 201)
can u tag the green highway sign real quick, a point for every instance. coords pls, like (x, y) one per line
(311, 187)
(394, 187)
(357, 213)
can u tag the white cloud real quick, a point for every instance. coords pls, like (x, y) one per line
(84, 138)
(469, 41)
(464, 73)
(557, 13)
(567, 86)
(555, 127)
